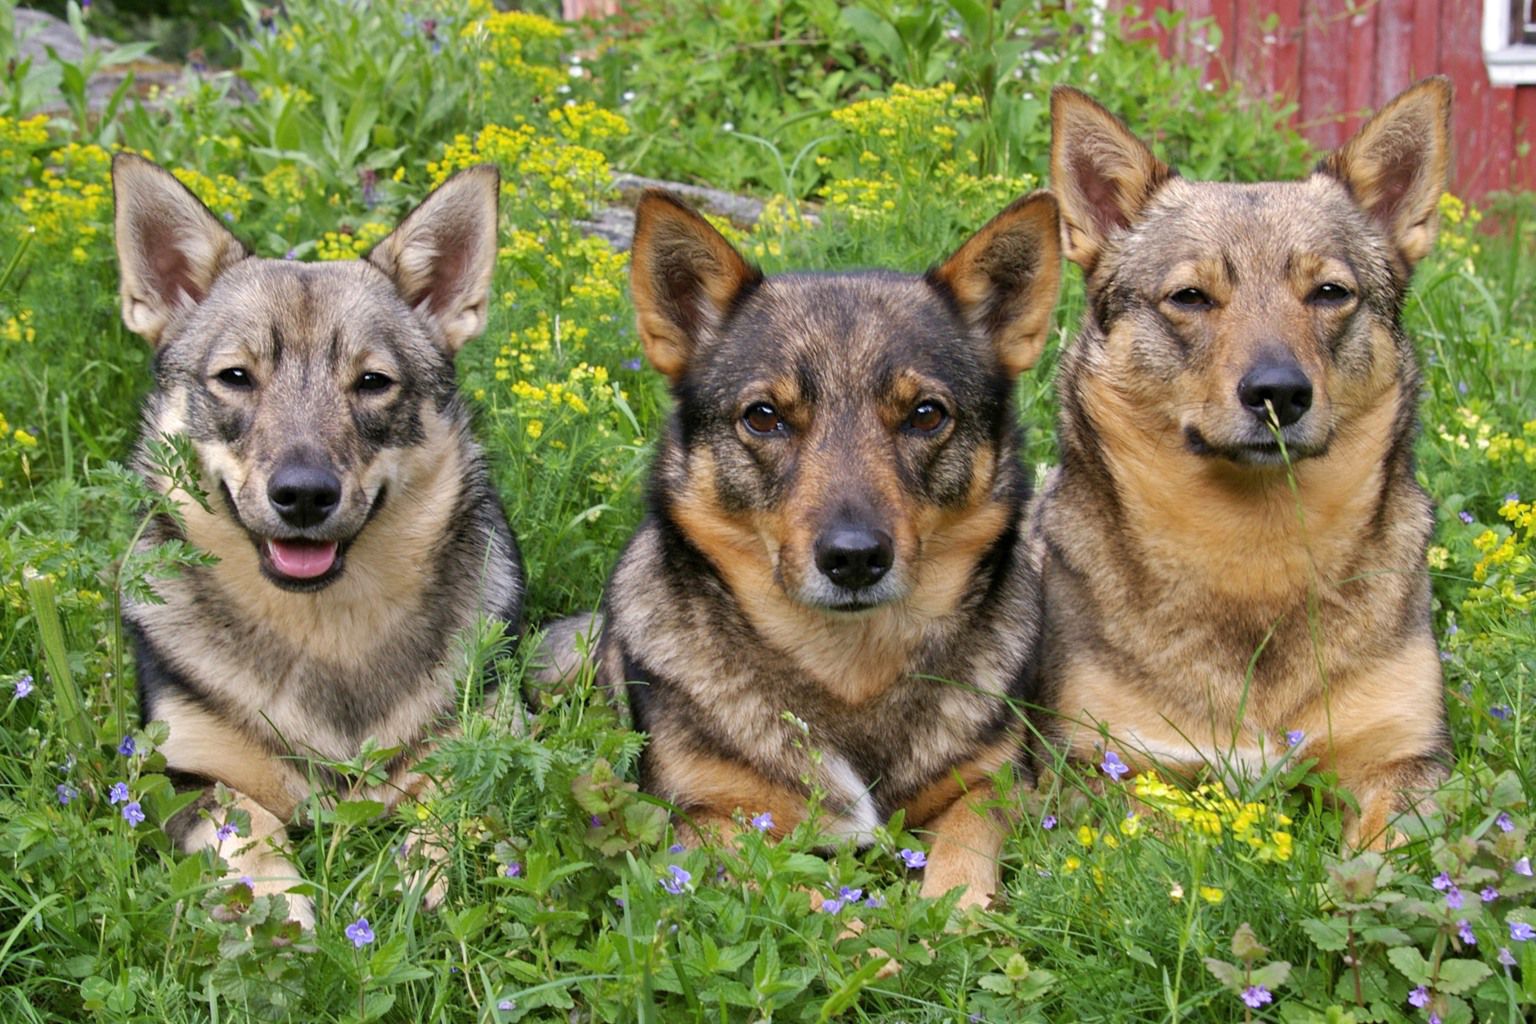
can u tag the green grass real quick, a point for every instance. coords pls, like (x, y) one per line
(1102, 918)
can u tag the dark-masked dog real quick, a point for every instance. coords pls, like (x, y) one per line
(830, 592)
(1235, 542)
(353, 523)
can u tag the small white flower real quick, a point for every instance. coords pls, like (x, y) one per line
(629, 96)
(729, 126)
(577, 71)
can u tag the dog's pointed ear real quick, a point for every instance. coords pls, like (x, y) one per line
(683, 276)
(442, 255)
(1397, 165)
(1006, 276)
(1101, 173)
(170, 247)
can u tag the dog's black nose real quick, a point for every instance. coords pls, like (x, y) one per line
(854, 556)
(304, 494)
(1278, 382)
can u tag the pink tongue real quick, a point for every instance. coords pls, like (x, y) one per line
(302, 559)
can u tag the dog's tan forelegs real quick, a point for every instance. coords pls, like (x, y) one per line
(1383, 792)
(967, 839)
(259, 855)
(426, 839)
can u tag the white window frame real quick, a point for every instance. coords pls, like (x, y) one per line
(1508, 63)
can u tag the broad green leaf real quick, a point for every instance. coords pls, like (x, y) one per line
(1458, 975)
(1229, 975)
(1410, 963)
(352, 813)
(1271, 976)
(1330, 936)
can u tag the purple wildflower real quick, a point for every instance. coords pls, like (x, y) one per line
(65, 793)
(291, 254)
(360, 932)
(1294, 738)
(1113, 766)
(118, 793)
(848, 894)
(1523, 867)
(1434, 1018)
(1500, 711)
(1521, 932)
(1048, 822)
(127, 748)
(1442, 882)
(763, 822)
(676, 848)
(913, 859)
(1466, 517)
(1489, 894)
(506, 1006)
(513, 870)
(1506, 957)
(631, 364)
(227, 831)
(677, 879)
(1419, 997)
(831, 906)
(1453, 898)
(874, 902)
(24, 686)
(1255, 996)
(133, 814)
(1511, 496)
(1504, 823)
(1464, 932)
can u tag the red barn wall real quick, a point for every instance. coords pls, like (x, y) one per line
(1337, 64)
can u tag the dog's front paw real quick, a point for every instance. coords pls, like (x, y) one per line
(269, 873)
(426, 868)
(976, 876)
(302, 910)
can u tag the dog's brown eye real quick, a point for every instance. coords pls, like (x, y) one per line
(762, 418)
(236, 377)
(374, 382)
(1190, 298)
(1330, 293)
(927, 418)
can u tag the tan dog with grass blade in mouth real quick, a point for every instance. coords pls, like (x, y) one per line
(1234, 544)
